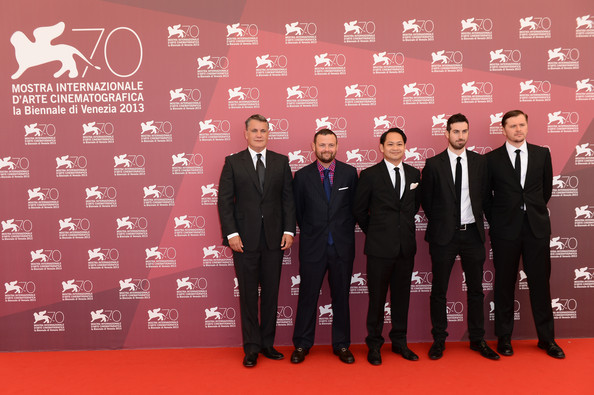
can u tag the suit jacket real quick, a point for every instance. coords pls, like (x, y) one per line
(438, 195)
(506, 198)
(244, 208)
(388, 222)
(316, 216)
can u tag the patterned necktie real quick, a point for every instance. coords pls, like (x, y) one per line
(261, 170)
(327, 186)
(458, 184)
(328, 190)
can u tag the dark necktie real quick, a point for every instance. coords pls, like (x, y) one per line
(458, 184)
(261, 170)
(518, 166)
(328, 190)
(398, 182)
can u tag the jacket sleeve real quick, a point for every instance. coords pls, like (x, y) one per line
(288, 203)
(226, 200)
(298, 194)
(427, 185)
(362, 200)
(547, 177)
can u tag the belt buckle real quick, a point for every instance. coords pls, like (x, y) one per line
(462, 227)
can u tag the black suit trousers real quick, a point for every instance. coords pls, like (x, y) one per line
(536, 259)
(471, 248)
(339, 278)
(395, 274)
(261, 267)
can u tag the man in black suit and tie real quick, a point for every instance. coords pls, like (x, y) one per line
(521, 181)
(257, 217)
(386, 202)
(324, 193)
(453, 189)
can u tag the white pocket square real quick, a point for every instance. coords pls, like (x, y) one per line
(343, 188)
(414, 185)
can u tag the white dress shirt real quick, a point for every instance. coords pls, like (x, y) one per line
(466, 215)
(393, 176)
(511, 151)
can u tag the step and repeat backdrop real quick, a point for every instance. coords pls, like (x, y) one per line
(117, 116)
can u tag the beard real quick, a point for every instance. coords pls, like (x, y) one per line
(325, 157)
(458, 144)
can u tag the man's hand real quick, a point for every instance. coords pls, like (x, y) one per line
(236, 244)
(286, 242)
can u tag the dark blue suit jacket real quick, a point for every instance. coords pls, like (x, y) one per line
(316, 216)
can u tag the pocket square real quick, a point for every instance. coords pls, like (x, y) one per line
(414, 185)
(343, 188)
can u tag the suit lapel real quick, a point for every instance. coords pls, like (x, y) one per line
(530, 163)
(446, 171)
(472, 174)
(510, 166)
(270, 161)
(338, 177)
(388, 180)
(314, 178)
(249, 168)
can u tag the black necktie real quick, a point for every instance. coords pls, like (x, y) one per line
(328, 190)
(458, 184)
(261, 170)
(398, 182)
(518, 166)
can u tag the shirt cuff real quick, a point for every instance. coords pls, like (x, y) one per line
(232, 235)
(289, 233)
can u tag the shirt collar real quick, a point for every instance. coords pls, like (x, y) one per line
(331, 167)
(512, 150)
(391, 166)
(453, 156)
(254, 153)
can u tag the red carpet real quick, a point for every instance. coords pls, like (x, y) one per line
(219, 371)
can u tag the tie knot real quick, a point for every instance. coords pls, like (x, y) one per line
(518, 151)
(326, 172)
(459, 158)
(259, 156)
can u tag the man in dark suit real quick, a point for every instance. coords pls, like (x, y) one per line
(521, 181)
(453, 188)
(386, 202)
(257, 217)
(324, 193)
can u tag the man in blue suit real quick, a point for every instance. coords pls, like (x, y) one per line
(324, 193)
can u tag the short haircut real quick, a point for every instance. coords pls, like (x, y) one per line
(456, 118)
(512, 113)
(392, 130)
(256, 117)
(324, 132)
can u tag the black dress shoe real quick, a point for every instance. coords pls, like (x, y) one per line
(271, 353)
(345, 355)
(552, 349)
(483, 348)
(299, 354)
(436, 350)
(374, 357)
(250, 359)
(405, 352)
(504, 346)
